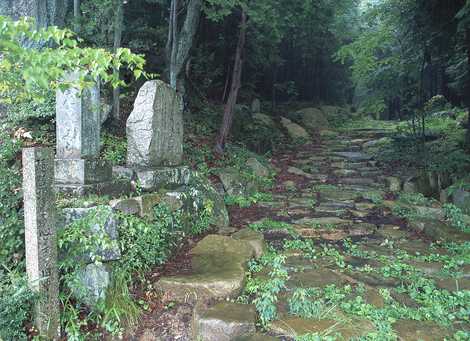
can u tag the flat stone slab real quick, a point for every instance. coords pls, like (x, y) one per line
(410, 330)
(392, 232)
(345, 172)
(224, 322)
(359, 181)
(322, 221)
(296, 326)
(163, 177)
(453, 284)
(81, 171)
(218, 271)
(316, 278)
(114, 188)
(255, 337)
(299, 172)
(354, 156)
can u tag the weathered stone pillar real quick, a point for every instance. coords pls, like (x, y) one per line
(155, 136)
(78, 121)
(78, 169)
(41, 237)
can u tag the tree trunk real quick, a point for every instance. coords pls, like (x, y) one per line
(467, 88)
(76, 15)
(45, 12)
(273, 88)
(234, 88)
(118, 23)
(179, 43)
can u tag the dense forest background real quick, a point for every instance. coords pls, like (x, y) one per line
(386, 57)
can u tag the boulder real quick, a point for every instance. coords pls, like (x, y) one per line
(126, 206)
(258, 131)
(393, 183)
(334, 113)
(313, 119)
(233, 182)
(108, 231)
(223, 322)
(121, 172)
(256, 105)
(91, 284)
(418, 184)
(255, 239)
(218, 272)
(437, 230)
(264, 119)
(461, 199)
(257, 167)
(198, 195)
(155, 127)
(294, 130)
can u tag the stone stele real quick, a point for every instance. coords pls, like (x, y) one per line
(155, 127)
(41, 237)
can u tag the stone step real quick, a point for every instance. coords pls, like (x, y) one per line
(223, 322)
(345, 172)
(218, 267)
(353, 156)
(360, 181)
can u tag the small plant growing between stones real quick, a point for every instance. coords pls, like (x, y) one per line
(114, 149)
(269, 224)
(374, 197)
(247, 201)
(307, 303)
(203, 219)
(264, 293)
(404, 211)
(456, 217)
(417, 199)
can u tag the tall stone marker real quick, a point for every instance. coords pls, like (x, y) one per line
(155, 127)
(78, 169)
(41, 237)
(155, 136)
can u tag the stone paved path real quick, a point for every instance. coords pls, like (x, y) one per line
(386, 276)
(350, 267)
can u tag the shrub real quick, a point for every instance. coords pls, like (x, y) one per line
(114, 149)
(42, 110)
(143, 243)
(11, 218)
(15, 306)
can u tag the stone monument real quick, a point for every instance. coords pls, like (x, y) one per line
(155, 137)
(78, 169)
(41, 238)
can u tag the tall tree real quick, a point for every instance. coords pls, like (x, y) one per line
(46, 12)
(118, 28)
(234, 88)
(76, 14)
(180, 41)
